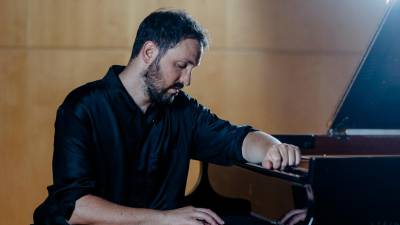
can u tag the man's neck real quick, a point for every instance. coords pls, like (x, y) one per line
(133, 81)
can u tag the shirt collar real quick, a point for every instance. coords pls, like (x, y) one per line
(118, 92)
(112, 81)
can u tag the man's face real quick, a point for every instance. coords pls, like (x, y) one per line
(170, 73)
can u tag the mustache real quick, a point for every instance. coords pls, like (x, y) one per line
(178, 86)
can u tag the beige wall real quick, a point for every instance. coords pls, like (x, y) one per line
(279, 65)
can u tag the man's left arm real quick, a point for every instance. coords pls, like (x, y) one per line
(260, 147)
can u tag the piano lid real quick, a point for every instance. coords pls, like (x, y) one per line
(372, 100)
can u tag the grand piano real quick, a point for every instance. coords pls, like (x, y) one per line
(351, 175)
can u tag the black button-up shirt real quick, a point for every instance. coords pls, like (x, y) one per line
(106, 146)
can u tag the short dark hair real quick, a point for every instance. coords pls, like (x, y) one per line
(166, 28)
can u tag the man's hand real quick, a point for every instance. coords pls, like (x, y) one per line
(91, 209)
(281, 155)
(294, 217)
(192, 216)
(260, 147)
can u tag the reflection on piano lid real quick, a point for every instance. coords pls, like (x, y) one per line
(295, 175)
(347, 190)
(372, 101)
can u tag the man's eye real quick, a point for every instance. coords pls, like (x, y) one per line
(182, 66)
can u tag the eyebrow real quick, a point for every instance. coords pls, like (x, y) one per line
(189, 61)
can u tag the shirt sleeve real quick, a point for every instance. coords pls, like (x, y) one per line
(216, 140)
(72, 166)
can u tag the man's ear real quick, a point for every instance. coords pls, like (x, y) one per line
(149, 52)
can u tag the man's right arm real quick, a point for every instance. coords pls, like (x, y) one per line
(91, 209)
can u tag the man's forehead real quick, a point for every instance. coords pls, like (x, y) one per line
(187, 49)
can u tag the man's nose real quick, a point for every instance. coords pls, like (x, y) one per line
(186, 77)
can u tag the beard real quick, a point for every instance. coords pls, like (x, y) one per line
(153, 79)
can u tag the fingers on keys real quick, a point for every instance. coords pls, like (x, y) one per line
(282, 155)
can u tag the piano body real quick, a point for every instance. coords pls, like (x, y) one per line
(351, 176)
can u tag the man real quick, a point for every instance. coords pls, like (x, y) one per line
(123, 143)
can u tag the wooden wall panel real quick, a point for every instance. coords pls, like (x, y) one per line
(233, 24)
(99, 23)
(300, 25)
(193, 176)
(55, 72)
(274, 91)
(13, 17)
(89, 23)
(12, 135)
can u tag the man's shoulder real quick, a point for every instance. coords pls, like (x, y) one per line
(86, 94)
(185, 102)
